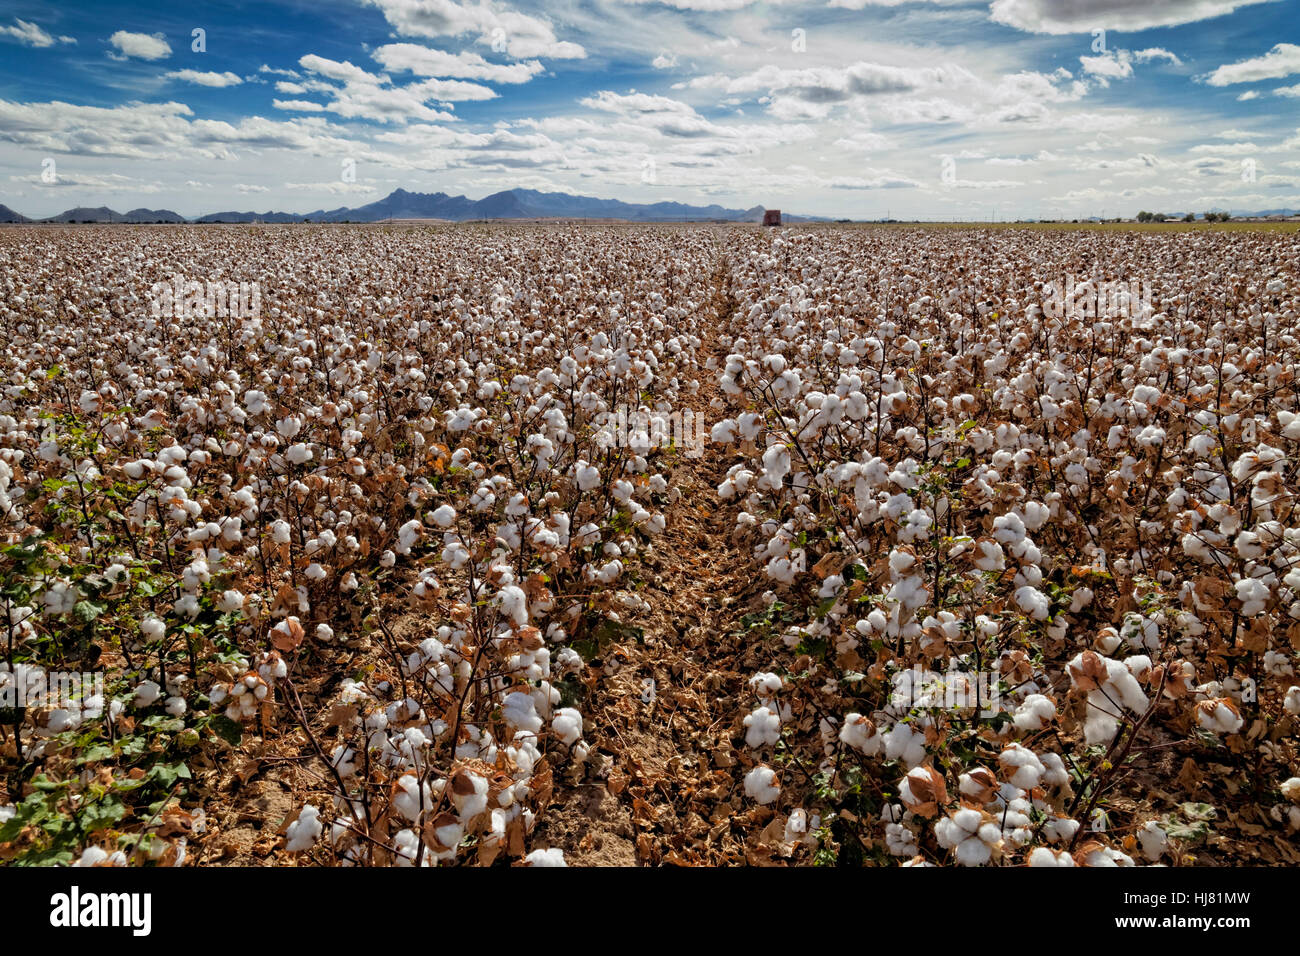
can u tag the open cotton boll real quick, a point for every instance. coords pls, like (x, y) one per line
(567, 725)
(1033, 602)
(860, 733)
(1152, 839)
(1291, 702)
(1042, 856)
(513, 604)
(146, 693)
(303, 833)
(587, 476)
(553, 856)
(152, 628)
(766, 684)
(444, 516)
(1021, 767)
(1219, 715)
(923, 791)
(904, 744)
(764, 728)
(520, 711)
(1036, 712)
(1253, 594)
(1106, 857)
(412, 798)
(469, 794)
(761, 784)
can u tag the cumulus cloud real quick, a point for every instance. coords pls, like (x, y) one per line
(364, 95)
(141, 46)
(518, 34)
(425, 61)
(205, 79)
(1282, 60)
(1084, 16)
(1108, 66)
(30, 34)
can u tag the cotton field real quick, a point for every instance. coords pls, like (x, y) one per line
(608, 544)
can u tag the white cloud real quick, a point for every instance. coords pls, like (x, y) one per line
(251, 188)
(298, 106)
(1084, 16)
(205, 79)
(1282, 60)
(424, 61)
(367, 96)
(664, 61)
(522, 36)
(29, 34)
(1287, 90)
(1108, 66)
(1156, 53)
(142, 46)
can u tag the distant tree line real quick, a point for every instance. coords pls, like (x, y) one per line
(1145, 216)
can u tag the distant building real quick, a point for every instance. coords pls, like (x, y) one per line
(771, 217)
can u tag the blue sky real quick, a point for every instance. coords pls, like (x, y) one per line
(920, 108)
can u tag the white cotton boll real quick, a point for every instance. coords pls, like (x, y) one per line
(411, 797)
(1291, 789)
(152, 628)
(761, 784)
(766, 684)
(989, 556)
(343, 759)
(469, 795)
(588, 476)
(299, 454)
(1219, 715)
(1291, 703)
(303, 833)
(860, 733)
(1106, 857)
(764, 728)
(175, 706)
(567, 725)
(230, 601)
(1042, 856)
(1107, 641)
(1033, 602)
(514, 604)
(1152, 839)
(1021, 767)
(520, 711)
(899, 840)
(905, 745)
(1139, 665)
(1036, 713)
(549, 857)
(146, 692)
(1253, 594)
(444, 516)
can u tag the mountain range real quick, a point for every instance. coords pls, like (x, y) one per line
(509, 204)
(400, 204)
